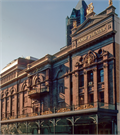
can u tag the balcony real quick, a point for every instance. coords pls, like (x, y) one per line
(66, 109)
(36, 93)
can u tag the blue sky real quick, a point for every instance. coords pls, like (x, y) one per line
(37, 27)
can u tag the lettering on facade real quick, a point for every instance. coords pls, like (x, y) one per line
(91, 35)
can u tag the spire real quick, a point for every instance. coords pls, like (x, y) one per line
(79, 5)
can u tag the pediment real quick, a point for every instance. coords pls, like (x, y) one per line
(89, 22)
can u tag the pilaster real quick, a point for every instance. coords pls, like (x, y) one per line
(95, 84)
(75, 88)
(15, 109)
(10, 105)
(106, 97)
(85, 88)
(5, 106)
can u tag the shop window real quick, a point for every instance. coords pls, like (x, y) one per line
(81, 82)
(90, 76)
(81, 99)
(100, 75)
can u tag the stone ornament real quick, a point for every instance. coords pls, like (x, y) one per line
(90, 8)
(75, 24)
(89, 58)
(110, 3)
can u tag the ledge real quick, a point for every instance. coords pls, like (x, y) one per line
(61, 114)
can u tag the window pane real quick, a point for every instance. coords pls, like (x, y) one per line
(81, 81)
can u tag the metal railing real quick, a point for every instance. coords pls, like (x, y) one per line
(65, 108)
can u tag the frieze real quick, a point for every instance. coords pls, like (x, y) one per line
(92, 34)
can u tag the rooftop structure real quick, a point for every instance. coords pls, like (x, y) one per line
(78, 14)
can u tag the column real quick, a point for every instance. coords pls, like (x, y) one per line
(106, 96)
(26, 127)
(38, 126)
(54, 121)
(95, 86)
(73, 125)
(96, 124)
(85, 87)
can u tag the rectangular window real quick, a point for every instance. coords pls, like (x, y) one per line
(100, 75)
(81, 82)
(90, 76)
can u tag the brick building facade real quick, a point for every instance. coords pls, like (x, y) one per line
(75, 91)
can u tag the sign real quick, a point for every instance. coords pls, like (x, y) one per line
(91, 35)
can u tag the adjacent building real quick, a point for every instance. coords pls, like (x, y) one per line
(78, 14)
(75, 91)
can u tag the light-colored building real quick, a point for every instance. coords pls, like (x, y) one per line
(75, 91)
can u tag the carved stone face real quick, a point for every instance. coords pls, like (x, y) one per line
(89, 59)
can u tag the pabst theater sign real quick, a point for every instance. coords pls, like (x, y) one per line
(92, 34)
